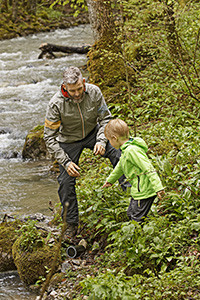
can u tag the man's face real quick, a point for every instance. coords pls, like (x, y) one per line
(76, 90)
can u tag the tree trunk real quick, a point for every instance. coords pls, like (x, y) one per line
(101, 17)
(176, 50)
(31, 6)
(14, 10)
(92, 10)
(4, 6)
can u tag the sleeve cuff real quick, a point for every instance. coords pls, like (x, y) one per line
(101, 143)
(66, 164)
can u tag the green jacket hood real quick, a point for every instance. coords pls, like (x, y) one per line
(137, 141)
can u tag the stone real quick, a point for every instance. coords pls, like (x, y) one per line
(35, 147)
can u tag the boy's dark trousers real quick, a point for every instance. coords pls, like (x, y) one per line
(139, 209)
(66, 191)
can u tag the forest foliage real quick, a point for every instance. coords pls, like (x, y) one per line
(147, 65)
(22, 17)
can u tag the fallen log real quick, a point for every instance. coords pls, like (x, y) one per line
(48, 49)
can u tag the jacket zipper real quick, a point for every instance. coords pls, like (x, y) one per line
(138, 183)
(82, 120)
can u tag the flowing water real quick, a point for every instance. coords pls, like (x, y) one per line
(26, 86)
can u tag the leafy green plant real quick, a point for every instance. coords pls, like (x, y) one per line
(77, 5)
(180, 283)
(30, 237)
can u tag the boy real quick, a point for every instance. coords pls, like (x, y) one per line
(137, 168)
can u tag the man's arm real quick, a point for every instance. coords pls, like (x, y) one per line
(51, 128)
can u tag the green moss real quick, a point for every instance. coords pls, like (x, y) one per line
(37, 132)
(8, 236)
(32, 265)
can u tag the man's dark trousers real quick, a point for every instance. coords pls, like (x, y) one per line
(66, 191)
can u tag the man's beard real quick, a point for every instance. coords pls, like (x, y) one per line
(78, 100)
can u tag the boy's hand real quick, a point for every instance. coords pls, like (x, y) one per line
(107, 184)
(72, 170)
(99, 149)
(160, 194)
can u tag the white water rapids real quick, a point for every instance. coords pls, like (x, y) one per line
(26, 86)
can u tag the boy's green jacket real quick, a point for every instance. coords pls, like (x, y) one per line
(137, 168)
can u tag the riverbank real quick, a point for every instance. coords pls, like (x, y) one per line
(27, 84)
(161, 258)
(45, 19)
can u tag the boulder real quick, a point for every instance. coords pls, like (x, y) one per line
(34, 147)
(32, 265)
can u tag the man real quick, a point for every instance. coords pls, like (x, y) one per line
(76, 117)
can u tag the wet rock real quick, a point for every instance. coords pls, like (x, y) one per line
(65, 266)
(4, 130)
(37, 217)
(35, 147)
(10, 155)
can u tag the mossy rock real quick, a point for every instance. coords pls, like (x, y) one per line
(7, 239)
(32, 265)
(34, 147)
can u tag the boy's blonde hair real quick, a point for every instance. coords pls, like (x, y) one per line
(118, 128)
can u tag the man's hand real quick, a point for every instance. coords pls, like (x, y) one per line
(107, 184)
(72, 170)
(99, 149)
(160, 194)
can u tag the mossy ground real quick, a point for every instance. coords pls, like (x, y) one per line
(45, 19)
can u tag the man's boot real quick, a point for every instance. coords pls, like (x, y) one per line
(71, 231)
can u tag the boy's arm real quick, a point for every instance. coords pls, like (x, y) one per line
(107, 184)
(115, 174)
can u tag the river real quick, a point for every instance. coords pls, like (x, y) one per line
(26, 86)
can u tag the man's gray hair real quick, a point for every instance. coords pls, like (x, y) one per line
(71, 75)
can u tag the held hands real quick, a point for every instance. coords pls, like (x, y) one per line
(160, 194)
(72, 170)
(99, 149)
(107, 184)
